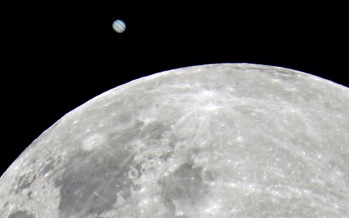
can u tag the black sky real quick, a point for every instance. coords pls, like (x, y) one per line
(58, 59)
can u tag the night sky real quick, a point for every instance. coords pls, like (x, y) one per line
(58, 59)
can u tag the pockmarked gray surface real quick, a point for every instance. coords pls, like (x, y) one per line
(220, 140)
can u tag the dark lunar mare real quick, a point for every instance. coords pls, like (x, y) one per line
(21, 214)
(90, 183)
(185, 184)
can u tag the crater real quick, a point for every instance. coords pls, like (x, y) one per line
(24, 182)
(92, 142)
(49, 167)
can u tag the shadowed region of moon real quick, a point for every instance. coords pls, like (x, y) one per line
(219, 140)
(20, 214)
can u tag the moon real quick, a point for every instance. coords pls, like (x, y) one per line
(217, 140)
(119, 26)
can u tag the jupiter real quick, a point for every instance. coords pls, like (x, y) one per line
(119, 26)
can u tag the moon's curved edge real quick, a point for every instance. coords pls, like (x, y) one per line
(180, 70)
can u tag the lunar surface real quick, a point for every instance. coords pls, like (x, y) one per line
(220, 140)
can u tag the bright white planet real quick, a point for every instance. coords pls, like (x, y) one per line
(220, 140)
(119, 26)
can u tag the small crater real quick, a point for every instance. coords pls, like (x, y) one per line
(151, 163)
(150, 157)
(165, 134)
(24, 182)
(48, 167)
(133, 173)
(92, 142)
(143, 170)
(154, 143)
(136, 187)
(147, 166)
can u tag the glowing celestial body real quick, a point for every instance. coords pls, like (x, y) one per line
(119, 26)
(221, 140)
